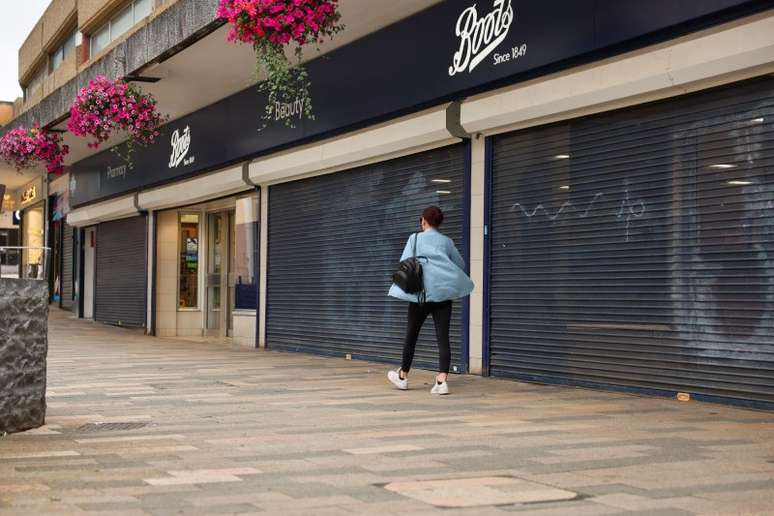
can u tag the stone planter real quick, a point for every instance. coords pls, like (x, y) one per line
(23, 350)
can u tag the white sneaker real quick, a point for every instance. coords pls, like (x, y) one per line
(394, 377)
(440, 388)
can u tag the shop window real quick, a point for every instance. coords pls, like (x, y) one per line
(34, 253)
(119, 24)
(9, 258)
(247, 240)
(189, 261)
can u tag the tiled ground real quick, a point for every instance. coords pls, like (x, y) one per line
(240, 431)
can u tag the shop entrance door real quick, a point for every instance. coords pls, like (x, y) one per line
(220, 267)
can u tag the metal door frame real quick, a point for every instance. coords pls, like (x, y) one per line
(488, 171)
(226, 315)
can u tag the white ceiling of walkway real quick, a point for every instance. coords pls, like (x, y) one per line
(13, 179)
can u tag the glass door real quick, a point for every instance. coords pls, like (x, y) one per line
(220, 288)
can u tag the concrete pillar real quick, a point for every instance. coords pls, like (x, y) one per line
(264, 248)
(166, 275)
(149, 305)
(477, 176)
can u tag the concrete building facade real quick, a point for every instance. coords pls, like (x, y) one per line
(71, 36)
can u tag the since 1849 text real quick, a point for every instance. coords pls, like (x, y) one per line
(515, 53)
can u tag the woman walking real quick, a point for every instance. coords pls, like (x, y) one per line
(444, 280)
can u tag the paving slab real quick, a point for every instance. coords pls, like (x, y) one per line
(139, 425)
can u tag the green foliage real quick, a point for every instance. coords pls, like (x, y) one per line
(285, 82)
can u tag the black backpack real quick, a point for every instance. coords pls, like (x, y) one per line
(409, 275)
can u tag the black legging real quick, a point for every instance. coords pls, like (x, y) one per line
(442, 319)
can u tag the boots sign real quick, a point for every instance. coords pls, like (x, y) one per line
(480, 35)
(447, 52)
(180, 146)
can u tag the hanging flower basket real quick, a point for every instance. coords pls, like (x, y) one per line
(105, 106)
(272, 25)
(26, 148)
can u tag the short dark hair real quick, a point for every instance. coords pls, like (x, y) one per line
(433, 216)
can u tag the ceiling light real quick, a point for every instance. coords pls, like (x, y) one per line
(739, 183)
(562, 156)
(442, 192)
(564, 187)
(757, 120)
(722, 166)
(441, 180)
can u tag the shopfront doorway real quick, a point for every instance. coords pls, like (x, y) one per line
(220, 284)
(206, 270)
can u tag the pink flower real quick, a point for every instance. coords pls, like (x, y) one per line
(107, 105)
(278, 21)
(25, 149)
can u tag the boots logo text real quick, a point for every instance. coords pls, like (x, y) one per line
(180, 146)
(480, 35)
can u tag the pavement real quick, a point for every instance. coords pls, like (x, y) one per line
(140, 425)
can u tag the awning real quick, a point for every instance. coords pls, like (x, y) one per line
(219, 184)
(118, 208)
(416, 133)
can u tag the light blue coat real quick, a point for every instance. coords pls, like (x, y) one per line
(442, 267)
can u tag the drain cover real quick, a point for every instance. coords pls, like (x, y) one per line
(110, 427)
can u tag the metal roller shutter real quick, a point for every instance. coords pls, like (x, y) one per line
(67, 265)
(120, 296)
(634, 248)
(334, 242)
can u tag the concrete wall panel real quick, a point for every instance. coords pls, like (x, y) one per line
(65, 73)
(57, 13)
(30, 51)
(90, 11)
(166, 274)
(244, 328)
